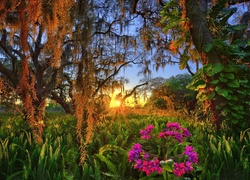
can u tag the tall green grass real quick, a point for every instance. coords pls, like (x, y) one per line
(21, 159)
(222, 156)
(227, 157)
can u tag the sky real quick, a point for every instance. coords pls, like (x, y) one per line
(131, 73)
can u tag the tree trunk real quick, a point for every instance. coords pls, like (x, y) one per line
(201, 36)
(64, 104)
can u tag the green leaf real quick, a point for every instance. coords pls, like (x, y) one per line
(168, 166)
(183, 62)
(211, 96)
(222, 92)
(218, 67)
(233, 84)
(214, 81)
(206, 68)
(239, 27)
(112, 167)
(199, 168)
(229, 75)
(194, 84)
(243, 81)
(171, 25)
(201, 86)
(222, 79)
(234, 114)
(228, 97)
(203, 97)
(235, 121)
(235, 98)
(229, 68)
(208, 47)
(235, 108)
(211, 73)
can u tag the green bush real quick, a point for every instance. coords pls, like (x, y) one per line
(160, 103)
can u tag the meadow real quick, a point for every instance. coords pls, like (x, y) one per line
(222, 155)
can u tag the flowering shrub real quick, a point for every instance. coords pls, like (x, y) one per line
(167, 150)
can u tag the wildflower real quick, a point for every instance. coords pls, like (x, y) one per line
(149, 128)
(178, 137)
(188, 166)
(134, 153)
(185, 132)
(179, 169)
(144, 162)
(145, 133)
(138, 164)
(151, 166)
(192, 155)
(146, 156)
(174, 130)
(173, 125)
(156, 166)
(137, 147)
(189, 149)
(161, 134)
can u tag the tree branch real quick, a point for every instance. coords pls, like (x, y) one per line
(189, 70)
(133, 90)
(116, 71)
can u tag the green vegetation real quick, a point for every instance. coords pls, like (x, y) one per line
(221, 156)
(70, 54)
(230, 85)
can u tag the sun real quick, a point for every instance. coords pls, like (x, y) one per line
(115, 103)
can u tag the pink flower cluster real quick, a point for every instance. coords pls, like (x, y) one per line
(146, 133)
(145, 164)
(141, 158)
(174, 130)
(185, 167)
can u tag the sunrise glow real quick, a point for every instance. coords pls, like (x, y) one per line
(115, 103)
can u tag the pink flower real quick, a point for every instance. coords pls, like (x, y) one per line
(188, 166)
(151, 166)
(188, 149)
(185, 132)
(192, 155)
(146, 156)
(138, 164)
(149, 128)
(144, 162)
(173, 125)
(134, 153)
(179, 169)
(145, 133)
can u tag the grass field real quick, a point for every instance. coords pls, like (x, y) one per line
(222, 156)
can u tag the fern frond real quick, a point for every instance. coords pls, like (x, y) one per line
(111, 167)
(110, 147)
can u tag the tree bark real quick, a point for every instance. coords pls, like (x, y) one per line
(64, 105)
(200, 32)
(201, 36)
